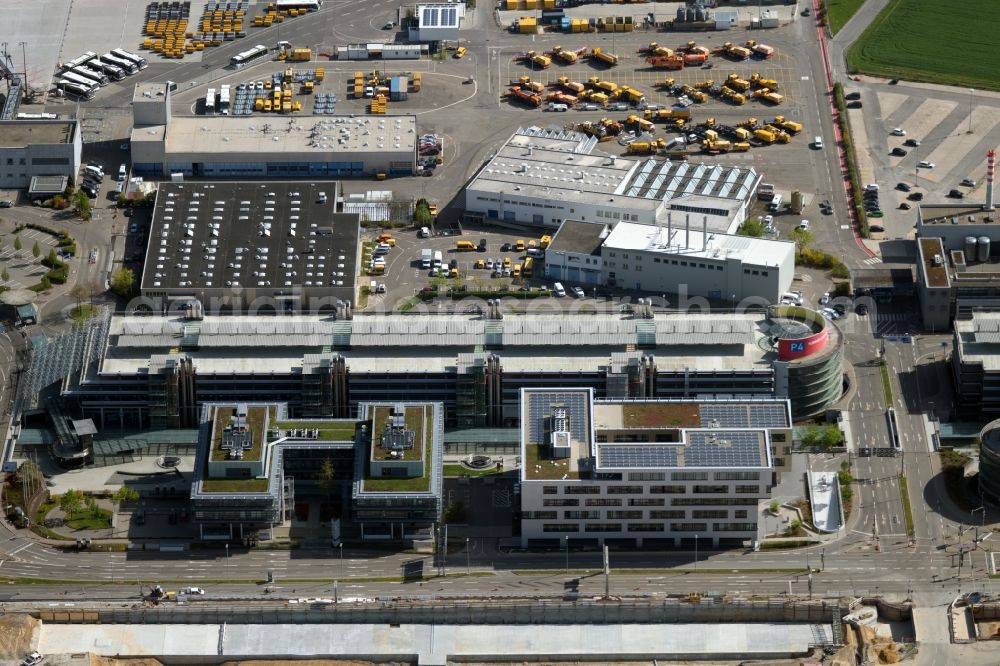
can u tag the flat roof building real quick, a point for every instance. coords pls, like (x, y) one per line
(544, 177)
(256, 147)
(30, 148)
(645, 472)
(682, 257)
(255, 464)
(156, 370)
(276, 246)
(436, 22)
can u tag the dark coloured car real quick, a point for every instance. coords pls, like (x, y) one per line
(956, 194)
(861, 309)
(6, 203)
(875, 213)
(854, 105)
(852, 95)
(912, 143)
(903, 187)
(506, 247)
(898, 152)
(904, 206)
(876, 229)
(482, 245)
(916, 196)
(840, 308)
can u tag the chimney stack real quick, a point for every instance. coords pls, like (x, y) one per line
(990, 163)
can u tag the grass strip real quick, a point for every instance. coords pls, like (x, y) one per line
(643, 572)
(886, 384)
(853, 172)
(904, 494)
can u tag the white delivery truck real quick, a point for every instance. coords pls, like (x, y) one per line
(426, 256)
(438, 257)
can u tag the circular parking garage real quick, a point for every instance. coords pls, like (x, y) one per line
(810, 358)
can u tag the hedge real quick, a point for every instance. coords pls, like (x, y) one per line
(852, 163)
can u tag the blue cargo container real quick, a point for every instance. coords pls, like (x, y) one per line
(397, 88)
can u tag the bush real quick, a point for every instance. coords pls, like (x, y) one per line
(852, 162)
(752, 227)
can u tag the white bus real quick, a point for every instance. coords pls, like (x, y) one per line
(224, 99)
(210, 101)
(82, 80)
(250, 55)
(127, 65)
(114, 72)
(82, 60)
(71, 89)
(139, 61)
(100, 78)
(311, 5)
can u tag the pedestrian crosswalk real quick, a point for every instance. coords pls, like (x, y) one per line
(872, 261)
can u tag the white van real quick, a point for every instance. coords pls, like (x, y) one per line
(424, 232)
(558, 289)
(437, 259)
(818, 143)
(775, 204)
(95, 171)
(791, 298)
(554, 106)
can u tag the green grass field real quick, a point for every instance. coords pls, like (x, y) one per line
(916, 40)
(840, 12)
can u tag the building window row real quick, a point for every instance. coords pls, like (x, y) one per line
(602, 527)
(560, 527)
(646, 501)
(603, 501)
(734, 527)
(715, 489)
(625, 490)
(626, 515)
(561, 502)
(689, 476)
(667, 490)
(646, 527)
(667, 514)
(582, 515)
(582, 490)
(737, 476)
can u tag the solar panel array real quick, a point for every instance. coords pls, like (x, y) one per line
(430, 17)
(730, 448)
(765, 415)
(439, 17)
(540, 407)
(643, 455)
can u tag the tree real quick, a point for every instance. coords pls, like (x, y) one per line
(18, 245)
(751, 227)
(802, 238)
(422, 215)
(36, 250)
(71, 502)
(774, 506)
(328, 477)
(78, 292)
(125, 494)
(45, 283)
(5, 275)
(83, 206)
(455, 512)
(123, 281)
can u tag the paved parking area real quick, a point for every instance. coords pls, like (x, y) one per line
(21, 265)
(41, 24)
(404, 276)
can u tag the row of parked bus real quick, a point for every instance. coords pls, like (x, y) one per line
(82, 77)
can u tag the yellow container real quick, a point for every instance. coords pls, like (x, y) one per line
(147, 43)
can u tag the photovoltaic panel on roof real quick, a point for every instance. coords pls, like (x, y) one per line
(724, 448)
(644, 455)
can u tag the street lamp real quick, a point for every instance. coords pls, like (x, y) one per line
(971, 91)
(981, 510)
(468, 566)
(695, 551)
(566, 543)
(341, 547)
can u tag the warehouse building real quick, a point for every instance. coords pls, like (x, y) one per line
(953, 284)
(436, 22)
(156, 370)
(255, 468)
(256, 147)
(637, 473)
(250, 247)
(30, 148)
(543, 177)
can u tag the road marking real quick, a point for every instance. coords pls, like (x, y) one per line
(27, 545)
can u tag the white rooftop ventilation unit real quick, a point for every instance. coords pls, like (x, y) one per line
(560, 439)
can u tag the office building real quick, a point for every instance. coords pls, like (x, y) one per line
(299, 146)
(681, 257)
(250, 247)
(30, 148)
(543, 177)
(645, 472)
(255, 467)
(156, 370)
